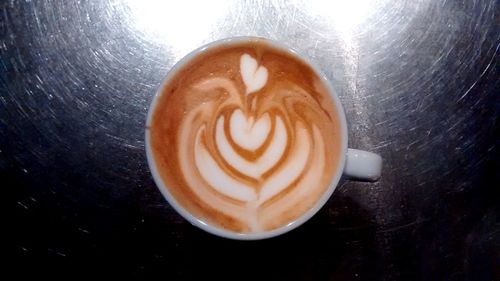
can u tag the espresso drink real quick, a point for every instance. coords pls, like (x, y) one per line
(246, 137)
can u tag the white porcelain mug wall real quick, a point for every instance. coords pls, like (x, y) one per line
(354, 163)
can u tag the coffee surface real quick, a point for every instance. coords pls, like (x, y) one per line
(245, 137)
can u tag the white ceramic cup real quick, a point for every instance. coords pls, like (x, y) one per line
(356, 164)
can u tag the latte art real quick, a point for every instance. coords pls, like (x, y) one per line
(254, 76)
(252, 148)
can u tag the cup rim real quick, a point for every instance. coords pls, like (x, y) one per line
(213, 229)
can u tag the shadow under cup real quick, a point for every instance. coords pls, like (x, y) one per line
(245, 139)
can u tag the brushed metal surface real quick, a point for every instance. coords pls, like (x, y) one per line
(419, 83)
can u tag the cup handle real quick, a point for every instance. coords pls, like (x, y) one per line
(363, 165)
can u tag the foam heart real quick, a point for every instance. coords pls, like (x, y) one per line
(264, 162)
(254, 76)
(248, 133)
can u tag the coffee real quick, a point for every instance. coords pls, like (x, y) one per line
(245, 136)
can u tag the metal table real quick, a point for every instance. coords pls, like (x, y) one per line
(419, 82)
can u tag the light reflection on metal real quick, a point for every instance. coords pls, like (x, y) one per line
(182, 23)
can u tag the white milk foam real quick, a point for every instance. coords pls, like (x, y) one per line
(265, 162)
(248, 133)
(254, 76)
(216, 177)
(210, 155)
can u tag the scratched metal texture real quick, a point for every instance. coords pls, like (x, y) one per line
(419, 81)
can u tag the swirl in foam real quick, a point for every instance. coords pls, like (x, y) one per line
(250, 160)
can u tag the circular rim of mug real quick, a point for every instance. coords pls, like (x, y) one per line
(214, 229)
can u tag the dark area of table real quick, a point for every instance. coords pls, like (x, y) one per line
(419, 81)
